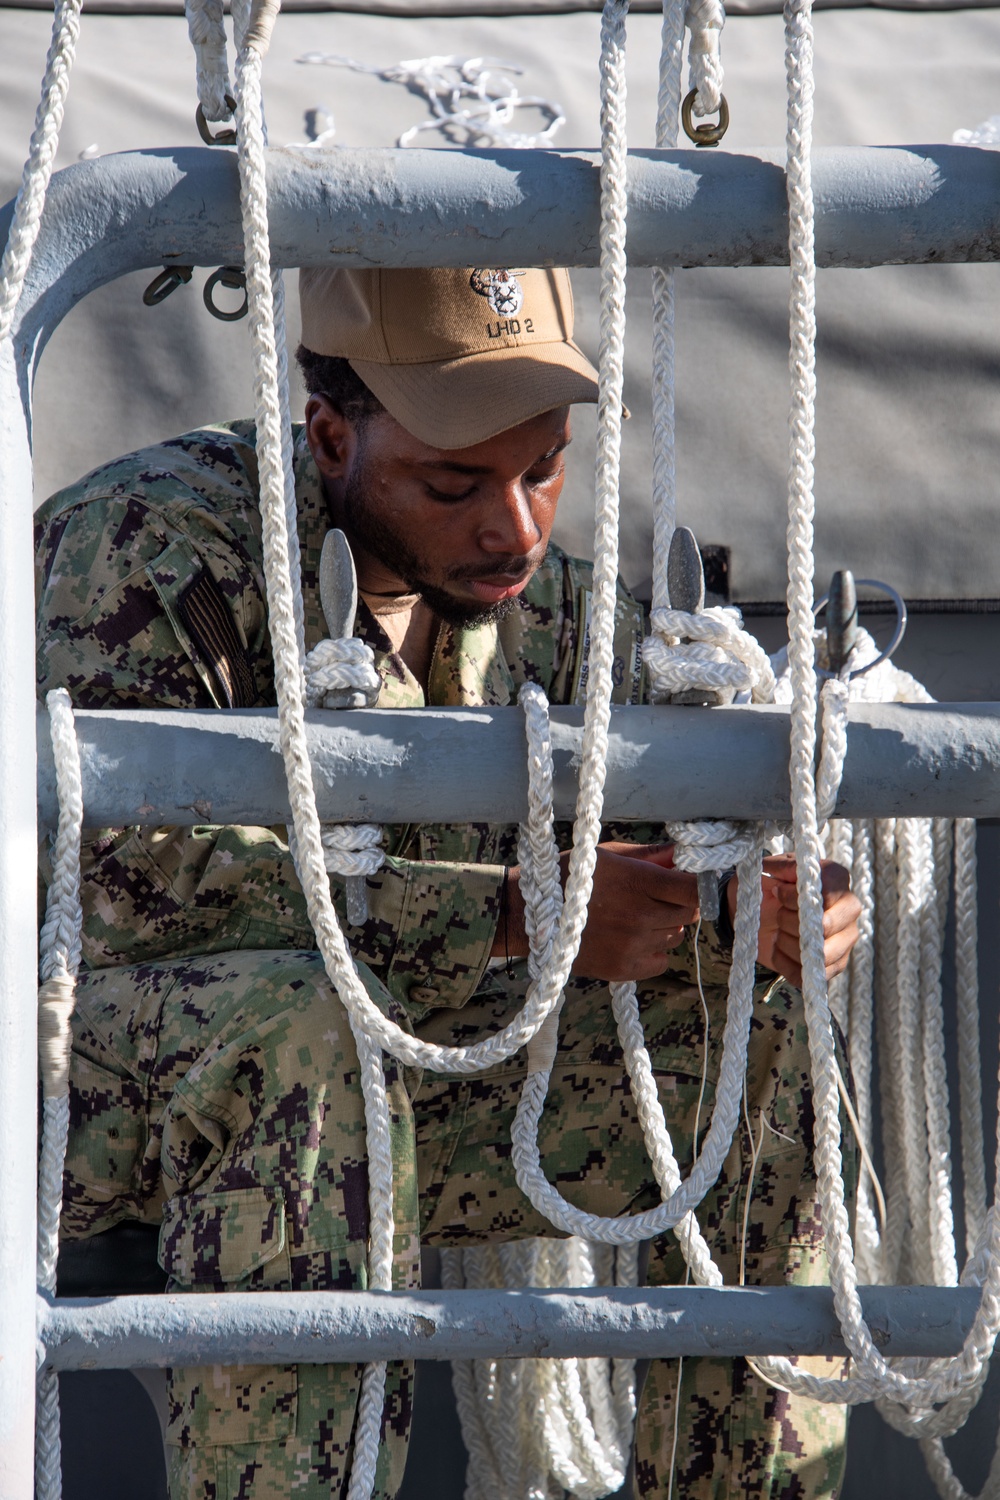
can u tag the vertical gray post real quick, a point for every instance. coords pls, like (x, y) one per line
(18, 1005)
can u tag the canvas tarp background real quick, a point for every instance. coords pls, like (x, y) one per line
(908, 356)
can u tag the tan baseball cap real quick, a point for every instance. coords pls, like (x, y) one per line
(456, 356)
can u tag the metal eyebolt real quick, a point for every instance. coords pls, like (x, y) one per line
(165, 282)
(842, 629)
(233, 278)
(706, 134)
(223, 137)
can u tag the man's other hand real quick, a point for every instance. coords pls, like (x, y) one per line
(641, 905)
(778, 945)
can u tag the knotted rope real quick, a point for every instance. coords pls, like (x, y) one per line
(355, 850)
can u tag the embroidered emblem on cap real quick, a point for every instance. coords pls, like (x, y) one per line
(500, 289)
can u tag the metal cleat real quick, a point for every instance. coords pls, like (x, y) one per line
(841, 620)
(686, 586)
(842, 628)
(338, 594)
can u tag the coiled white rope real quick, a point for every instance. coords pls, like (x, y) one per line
(704, 650)
(538, 1427)
(902, 873)
(60, 959)
(540, 884)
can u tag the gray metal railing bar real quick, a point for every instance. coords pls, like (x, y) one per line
(360, 207)
(18, 965)
(468, 765)
(630, 1323)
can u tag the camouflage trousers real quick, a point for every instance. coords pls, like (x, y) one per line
(220, 1098)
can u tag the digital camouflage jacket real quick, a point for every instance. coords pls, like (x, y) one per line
(150, 594)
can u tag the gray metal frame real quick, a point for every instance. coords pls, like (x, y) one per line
(625, 1322)
(441, 765)
(147, 209)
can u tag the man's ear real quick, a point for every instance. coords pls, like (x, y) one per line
(331, 437)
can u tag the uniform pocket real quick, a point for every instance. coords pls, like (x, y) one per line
(107, 1139)
(218, 1242)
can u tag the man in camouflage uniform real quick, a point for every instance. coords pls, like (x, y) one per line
(215, 1087)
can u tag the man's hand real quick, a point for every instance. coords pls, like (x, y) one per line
(778, 944)
(639, 908)
(641, 905)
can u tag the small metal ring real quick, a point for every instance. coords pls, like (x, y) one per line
(706, 134)
(223, 137)
(897, 634)
(165, 282)
(234, 278)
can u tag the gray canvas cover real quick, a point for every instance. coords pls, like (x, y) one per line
(908, 356)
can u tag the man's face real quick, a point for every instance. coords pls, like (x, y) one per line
(464, 527)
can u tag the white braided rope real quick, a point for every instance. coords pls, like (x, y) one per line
(940, 1216)
(540, 886)
(353, 848)
(60, 959)
(894, 1241)
(275, 476)
(664, 342)
(30, 201)
(705, 20)
(916, 1116)
(967, 1009)
(207, 33)
(373, 1030)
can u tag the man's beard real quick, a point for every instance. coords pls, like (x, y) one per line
(376, 535)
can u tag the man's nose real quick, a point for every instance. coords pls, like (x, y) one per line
(510, 525)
